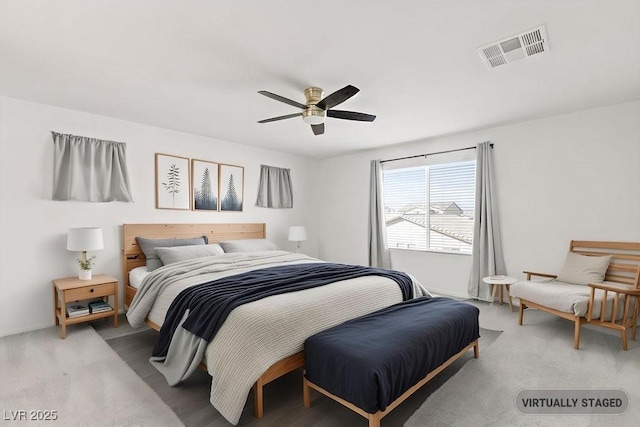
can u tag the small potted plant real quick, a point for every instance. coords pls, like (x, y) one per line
(85, 267)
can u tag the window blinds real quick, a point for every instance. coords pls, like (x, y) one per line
(429, 203)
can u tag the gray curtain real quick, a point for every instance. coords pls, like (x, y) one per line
(89, 169)
(378, 250)
(275, 189)
(488, 259)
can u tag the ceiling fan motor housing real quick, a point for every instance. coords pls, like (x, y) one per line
(313, 95)
(312, 114)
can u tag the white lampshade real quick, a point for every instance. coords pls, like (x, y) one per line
(85, 239)
(297, 233)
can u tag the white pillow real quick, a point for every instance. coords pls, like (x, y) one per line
(183, 253)
(248, 245)
(148, 246)
(584, 269)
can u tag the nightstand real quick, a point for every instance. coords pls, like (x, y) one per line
(72, 289)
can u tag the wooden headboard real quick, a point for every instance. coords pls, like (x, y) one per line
(133, 256)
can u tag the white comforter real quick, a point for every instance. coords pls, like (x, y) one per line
(259, 334)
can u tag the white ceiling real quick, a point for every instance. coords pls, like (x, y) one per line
(196, 66)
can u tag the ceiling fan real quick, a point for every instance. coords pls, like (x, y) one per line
(316, 107)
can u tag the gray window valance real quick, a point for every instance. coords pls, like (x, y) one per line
(275, 189)
(89, 169)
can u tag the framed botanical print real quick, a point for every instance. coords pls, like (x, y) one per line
(204, 182)
(172, 182)
(231, 188)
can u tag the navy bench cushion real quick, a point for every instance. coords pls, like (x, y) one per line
(372, 360)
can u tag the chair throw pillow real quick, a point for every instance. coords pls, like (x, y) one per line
(583, 269)
(149, 246)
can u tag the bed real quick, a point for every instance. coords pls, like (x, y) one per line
(259, 341)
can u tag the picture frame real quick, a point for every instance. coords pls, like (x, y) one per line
(173, 186)
(231, 193)
(204, 185)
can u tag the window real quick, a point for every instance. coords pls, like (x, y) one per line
(429, 203)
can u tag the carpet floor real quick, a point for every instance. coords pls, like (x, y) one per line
(78, 381)
(537, 355)
(283, 397)
(86, 383)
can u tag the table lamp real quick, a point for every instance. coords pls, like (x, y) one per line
(297, 233)
(82, 240)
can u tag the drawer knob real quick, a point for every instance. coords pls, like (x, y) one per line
(92, 290)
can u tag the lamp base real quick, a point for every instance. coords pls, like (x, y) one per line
(84, 275)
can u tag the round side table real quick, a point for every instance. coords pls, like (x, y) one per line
(499, 282)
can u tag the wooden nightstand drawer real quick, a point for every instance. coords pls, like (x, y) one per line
(71, 289)
(90, 292)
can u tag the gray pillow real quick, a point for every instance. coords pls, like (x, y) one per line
(149, 246)
(183, 253)
(584, 269)
(248, 245)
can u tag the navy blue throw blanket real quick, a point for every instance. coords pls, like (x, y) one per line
(210, 303)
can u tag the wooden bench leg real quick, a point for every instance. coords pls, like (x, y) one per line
(576, 334)
(374, 419)
(306, 392)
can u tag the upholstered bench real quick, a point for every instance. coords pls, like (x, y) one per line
(373, 363)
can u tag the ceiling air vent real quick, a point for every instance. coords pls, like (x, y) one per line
(516, 47)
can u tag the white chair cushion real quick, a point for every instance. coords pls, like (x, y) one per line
(564, 297)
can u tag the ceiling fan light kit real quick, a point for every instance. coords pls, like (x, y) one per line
(317, 108)
(313, 115)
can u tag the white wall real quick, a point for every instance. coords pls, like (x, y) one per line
(564, 177)
(574, 176)
(34, 228)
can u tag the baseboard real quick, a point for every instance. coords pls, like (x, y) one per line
(29, 329)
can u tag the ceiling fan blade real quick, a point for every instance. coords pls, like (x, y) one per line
(282, 99)
(337, 97)
(318, 129)
(350, 115)
(273, 119)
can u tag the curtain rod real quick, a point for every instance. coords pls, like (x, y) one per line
(431, 154)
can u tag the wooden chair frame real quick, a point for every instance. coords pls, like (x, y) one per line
(622, 277)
